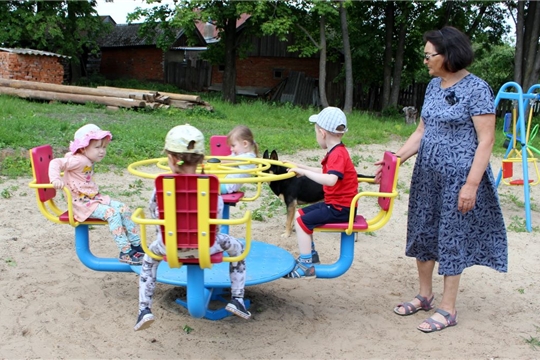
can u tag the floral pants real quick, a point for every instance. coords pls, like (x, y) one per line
(224, 242)
(123, 229)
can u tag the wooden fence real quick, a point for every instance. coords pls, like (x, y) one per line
(190, 76)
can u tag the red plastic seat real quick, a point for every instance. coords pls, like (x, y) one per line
(40, 158)
(187, 211)
(219, 147)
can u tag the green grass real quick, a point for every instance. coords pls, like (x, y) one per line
(139, 134)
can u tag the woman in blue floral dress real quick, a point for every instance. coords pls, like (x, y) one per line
(454, 214)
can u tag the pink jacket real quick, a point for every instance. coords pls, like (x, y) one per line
(78, 171)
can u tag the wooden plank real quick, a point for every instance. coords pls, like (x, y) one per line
(75, 98)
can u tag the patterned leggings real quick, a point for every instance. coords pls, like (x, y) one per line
(224, 242)
(121, 226)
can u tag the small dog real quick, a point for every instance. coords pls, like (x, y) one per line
(410, 115)
(293, 191)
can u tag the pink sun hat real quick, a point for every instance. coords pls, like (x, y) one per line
(85, 134)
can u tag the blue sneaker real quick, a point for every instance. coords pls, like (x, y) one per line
(238, 308)
(145, 319)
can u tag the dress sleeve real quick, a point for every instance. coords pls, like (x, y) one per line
(482, 99)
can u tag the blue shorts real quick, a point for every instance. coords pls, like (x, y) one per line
(319, 214)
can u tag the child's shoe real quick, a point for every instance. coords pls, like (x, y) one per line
(302, 271)
(132, 257)
(238, 308)
(315, 257)
(138, 249)
(144, 320)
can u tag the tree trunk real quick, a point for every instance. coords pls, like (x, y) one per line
(532, 35)
(322, 63)
(229, 75)
(520, 31)
(347, 107)
(398, 65)
(387, 72)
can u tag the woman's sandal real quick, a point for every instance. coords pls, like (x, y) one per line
(410, 309)
(435, 325)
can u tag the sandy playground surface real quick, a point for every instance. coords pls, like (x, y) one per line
(52, 306)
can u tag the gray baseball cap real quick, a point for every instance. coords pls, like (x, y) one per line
(330, 119)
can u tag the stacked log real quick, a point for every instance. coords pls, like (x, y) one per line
(110, 96)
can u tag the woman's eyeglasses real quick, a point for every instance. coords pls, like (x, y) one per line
(429, 56)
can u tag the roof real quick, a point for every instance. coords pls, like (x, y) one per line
(123, 35)
(32, 52)
(210, 32)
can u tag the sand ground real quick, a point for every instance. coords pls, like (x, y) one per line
(52, 306)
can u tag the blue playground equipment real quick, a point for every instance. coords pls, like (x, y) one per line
(206, 279)
(518, 137)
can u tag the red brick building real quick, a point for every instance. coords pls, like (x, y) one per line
(125, 54)
(31, 65)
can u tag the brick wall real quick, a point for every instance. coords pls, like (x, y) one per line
(46, 69)
(141, 63)
(259, 71)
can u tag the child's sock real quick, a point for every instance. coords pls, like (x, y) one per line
(305, 259)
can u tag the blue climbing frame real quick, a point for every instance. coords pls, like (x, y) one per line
(519, 136)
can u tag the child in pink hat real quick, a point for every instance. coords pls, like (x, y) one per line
(88, 147)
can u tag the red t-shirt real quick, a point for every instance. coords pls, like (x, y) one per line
(338, 162)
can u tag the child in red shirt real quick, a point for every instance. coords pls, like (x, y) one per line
(340, 184)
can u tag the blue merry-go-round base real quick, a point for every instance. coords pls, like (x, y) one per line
(265, 262)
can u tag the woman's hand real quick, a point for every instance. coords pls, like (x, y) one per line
(378, 172)
(467, 198)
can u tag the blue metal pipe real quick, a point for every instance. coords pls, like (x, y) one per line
(82, 247)
(346, 256)
(197, 297)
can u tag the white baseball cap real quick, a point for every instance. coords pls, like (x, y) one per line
(330, 119)
(179, 139)
(85, 134)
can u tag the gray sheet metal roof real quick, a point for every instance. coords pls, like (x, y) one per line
(127, 35)
(32, 52)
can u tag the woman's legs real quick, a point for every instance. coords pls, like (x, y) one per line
(448, 302)
(425, 279)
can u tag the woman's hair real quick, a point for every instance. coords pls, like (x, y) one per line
(189, 159)
(454, 45)
(243, 133)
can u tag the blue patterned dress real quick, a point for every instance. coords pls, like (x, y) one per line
(436, 230)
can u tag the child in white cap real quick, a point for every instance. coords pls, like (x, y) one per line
(340, 184)
(184, 146)
(88, 147)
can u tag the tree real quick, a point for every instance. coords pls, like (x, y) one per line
(224, 16)
(66, 27)
(527, 50)
(347, 106)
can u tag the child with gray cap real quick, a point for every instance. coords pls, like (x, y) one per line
(340, 184)
(184, 146)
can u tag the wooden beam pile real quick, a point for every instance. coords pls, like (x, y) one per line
(104, 95)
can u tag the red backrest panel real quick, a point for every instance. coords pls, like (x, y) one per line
(219, 146)
(41, 157)
(187, 207)
(387, 178)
